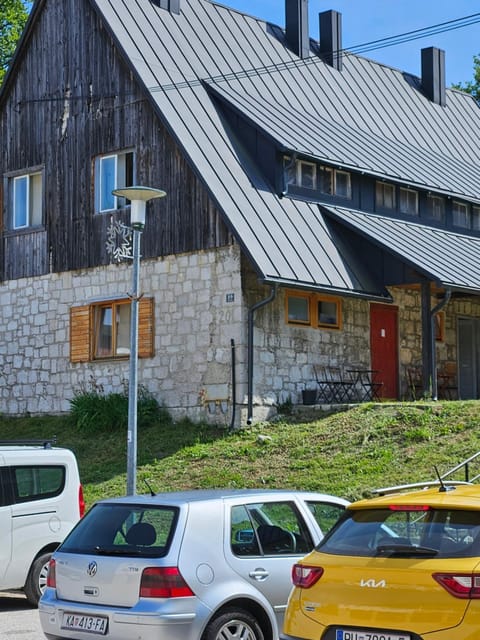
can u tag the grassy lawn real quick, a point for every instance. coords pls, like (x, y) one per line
(347, 453)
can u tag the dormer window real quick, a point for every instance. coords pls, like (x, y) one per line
(408, 202)
(309, 175)
(385, 195)
(436, 208)
(460, 215)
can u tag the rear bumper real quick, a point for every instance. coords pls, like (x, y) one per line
(148, 622)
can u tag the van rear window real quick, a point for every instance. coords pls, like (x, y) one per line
(123, 530)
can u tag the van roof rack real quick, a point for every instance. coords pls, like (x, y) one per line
(46, 443)
(441, 479)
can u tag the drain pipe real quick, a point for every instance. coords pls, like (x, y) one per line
(234, 382)
(251, 313)
(433, 312)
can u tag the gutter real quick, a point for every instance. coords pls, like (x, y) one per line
(251, 313)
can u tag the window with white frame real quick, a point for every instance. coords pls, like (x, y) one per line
(113, 171)
(460, 215)
(436, 208)
(385, 195)
(26, 200)
(408, 201)
(307, 174)
(313, 176)
(476, 218)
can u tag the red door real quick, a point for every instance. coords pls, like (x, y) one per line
(384, 348)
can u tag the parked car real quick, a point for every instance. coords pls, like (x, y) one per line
(41, 499)
(401, 566)
(210, 564)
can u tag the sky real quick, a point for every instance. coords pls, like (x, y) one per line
(366, 20)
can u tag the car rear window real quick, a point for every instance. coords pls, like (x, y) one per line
(400, 531)
(123, 530)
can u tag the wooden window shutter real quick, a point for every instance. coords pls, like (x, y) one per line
(145, 328)
(80, 333)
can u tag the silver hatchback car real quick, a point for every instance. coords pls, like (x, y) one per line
(209, 565)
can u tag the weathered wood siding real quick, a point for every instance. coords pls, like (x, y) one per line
(73, 99)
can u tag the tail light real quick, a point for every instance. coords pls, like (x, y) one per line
(460, 585)
(52, 575)
(81, 502)
(304, 576)
(163, 582)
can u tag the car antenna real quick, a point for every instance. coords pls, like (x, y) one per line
(152, 492)
(443, 486)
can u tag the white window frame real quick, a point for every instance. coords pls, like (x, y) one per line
(32, 205)
(460, 215)
(407, 198)
(385, 195)
(121, 180)
(436, 207)
(475, 218)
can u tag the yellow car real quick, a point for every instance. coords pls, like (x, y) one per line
(402, 566)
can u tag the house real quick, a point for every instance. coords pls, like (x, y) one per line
(322, 211)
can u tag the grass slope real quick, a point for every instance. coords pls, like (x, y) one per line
(347, 454)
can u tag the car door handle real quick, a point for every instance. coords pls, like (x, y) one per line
(259, 574)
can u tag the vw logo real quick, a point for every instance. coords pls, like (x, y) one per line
(92, 568)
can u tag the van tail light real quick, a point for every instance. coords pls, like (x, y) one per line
(460, 585)
(304, 576)
(52, 574)
(163, 582)
(81, 501)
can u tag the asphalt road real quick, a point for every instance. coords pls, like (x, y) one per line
(18, 620)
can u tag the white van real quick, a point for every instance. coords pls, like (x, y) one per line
(41, 499)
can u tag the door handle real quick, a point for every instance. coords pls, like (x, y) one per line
(259, 574)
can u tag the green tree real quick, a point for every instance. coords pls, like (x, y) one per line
(13, 16)
(473, 86)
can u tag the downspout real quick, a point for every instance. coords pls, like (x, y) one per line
(234, 385)
(433, 312)
(251, 313)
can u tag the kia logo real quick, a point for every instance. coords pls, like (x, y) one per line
(372, 584)
(92, 569)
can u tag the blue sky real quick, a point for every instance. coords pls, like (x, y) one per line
(367, 20)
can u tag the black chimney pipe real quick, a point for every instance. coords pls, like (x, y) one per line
(296, 27)
(331, 38)
(433, 75)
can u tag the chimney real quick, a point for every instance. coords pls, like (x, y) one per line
(296, 27)
(331, 38)
(170, 5)
(433, 75)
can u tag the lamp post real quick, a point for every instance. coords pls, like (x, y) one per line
(138, 196)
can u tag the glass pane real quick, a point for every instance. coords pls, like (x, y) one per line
(326, 180)
(290, 170)
(20, 202)
(308, 175)
(108, 170)
(242, 536)
(298, 309)
(325, 514)
(327, 312)
(342, 184)
(103, 326)
(36, 199)
(123, 330)
(476, 218)
(280, 528)
(460, 215)
(408, 201)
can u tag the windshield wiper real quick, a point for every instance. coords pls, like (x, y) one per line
(102, 551)
(405, 550)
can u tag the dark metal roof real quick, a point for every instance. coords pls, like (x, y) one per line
(369, 106)
(451, 259)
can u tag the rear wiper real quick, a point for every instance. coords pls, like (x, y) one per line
(405, 550)
(102, 551)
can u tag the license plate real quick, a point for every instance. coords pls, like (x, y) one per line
(359, 634)
(89, 624)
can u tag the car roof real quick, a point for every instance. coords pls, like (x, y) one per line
(205, 495)
(460, 496)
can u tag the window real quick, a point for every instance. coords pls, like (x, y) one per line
(25, 200)
(38, 483)
(307, 175)
(385, 196)
(312, 176)
(113, 171)
(460, 215)
(268, 528)
(476, 218)
(408, 202)
(313, 310)
(335, 182)
(436, 208)
(102, 330)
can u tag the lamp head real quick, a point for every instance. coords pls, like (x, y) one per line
(138, 197)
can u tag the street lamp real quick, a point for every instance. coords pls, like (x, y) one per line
(138, 196)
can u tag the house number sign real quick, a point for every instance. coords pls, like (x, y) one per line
(119, 241)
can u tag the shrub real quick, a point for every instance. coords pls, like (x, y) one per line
(92, 410)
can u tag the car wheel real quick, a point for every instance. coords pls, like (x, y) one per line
(233, 624)
(37, 579)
